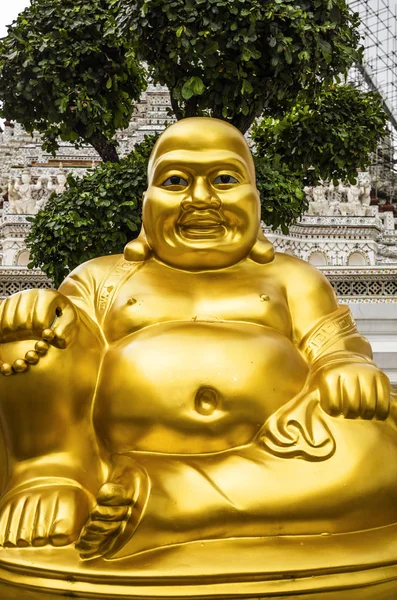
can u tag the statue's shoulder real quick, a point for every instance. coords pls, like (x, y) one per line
(86, 279)
(299, 275)
(96, 269)
(295, 264)
(97, 281)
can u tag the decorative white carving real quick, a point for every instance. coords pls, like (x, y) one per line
(22, 194)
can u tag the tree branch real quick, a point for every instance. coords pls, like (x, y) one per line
(191, 107)
(175, 107)
(243, 122)
(105, 148)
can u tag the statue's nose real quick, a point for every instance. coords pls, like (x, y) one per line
(202, 195)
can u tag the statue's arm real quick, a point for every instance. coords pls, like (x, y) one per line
(320, 326)
(342, 380)
(340, 359)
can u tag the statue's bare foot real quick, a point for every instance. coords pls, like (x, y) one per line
(40, 516)
(120, 504)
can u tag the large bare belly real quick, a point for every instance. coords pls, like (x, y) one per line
(194, 387)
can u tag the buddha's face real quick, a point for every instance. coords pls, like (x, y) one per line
(201, 209)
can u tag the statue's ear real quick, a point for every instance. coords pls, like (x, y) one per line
(262, 251)
(138, 250)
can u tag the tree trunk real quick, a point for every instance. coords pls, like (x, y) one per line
(191, 107)
(175, 107)
(105, 148)
(243, 122)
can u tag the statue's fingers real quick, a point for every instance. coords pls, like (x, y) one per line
(90, 551)
(53, 310)
(24, 308)
(65, 323)
(104, 528)
(351, 397)
(14, 519)
(44, 309)
(94, 538)
(368, 400)
(26, 524)
(382, 397)
(45, 510)
(89, 546)
(9, 318)
(109, 513)
(331, 396)
(113, 494)
(22, 321)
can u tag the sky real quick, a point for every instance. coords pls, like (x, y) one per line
(9, 10)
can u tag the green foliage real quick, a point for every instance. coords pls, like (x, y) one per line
(66, 72)
(233, 59)
(95, 216)
(333, 135)
(281, 192)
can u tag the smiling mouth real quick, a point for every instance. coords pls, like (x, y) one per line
(202, 229)
(201, 226)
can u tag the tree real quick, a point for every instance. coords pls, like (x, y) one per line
(234, 59)
(95, 216)
(67, 73)
(333, 134)
(66, 69)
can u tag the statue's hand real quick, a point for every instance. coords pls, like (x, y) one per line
(353, 390)
(26, 314)
(120, 505)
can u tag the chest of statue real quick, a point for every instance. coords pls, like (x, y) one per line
(158, 294)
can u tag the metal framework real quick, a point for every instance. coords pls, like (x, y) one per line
(379, 72)
(379, 38)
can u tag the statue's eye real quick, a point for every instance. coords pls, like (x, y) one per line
(224, 180)
(175, 180)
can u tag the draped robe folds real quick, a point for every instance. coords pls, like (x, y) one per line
(300, 472)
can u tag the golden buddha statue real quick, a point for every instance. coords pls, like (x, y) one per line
(197, 417)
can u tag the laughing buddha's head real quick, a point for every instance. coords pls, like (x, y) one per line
(201, 209)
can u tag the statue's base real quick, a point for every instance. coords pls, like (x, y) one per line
(356, 566)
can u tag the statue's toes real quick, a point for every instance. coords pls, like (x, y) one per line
(27, 521)
(11, 516)
(70, 513)
(46, 509)
(17, 521)
(40, 517)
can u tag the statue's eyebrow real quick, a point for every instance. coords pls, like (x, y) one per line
(217, 162)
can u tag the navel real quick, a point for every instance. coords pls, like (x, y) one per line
(207, 400)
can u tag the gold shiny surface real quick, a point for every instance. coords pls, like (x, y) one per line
(197, 417)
